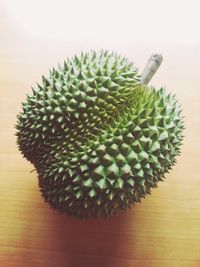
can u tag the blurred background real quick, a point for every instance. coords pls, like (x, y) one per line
(53, 30)
(34, 36)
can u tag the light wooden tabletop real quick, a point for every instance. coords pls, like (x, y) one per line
(162, 231)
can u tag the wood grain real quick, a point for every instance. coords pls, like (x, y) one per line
(162, 231)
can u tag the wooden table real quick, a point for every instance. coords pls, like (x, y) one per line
(162, 231)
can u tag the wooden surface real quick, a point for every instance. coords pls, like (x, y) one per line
(162, 231)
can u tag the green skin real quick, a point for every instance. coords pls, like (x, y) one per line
(98, 138)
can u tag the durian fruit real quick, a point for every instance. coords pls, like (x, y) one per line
(99, 139)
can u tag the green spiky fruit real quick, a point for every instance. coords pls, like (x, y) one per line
(98, 138)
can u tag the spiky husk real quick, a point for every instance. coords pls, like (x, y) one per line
(98, 138)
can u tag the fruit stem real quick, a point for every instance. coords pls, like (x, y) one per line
(151, 67)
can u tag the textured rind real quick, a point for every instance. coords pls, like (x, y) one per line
(99, 140)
